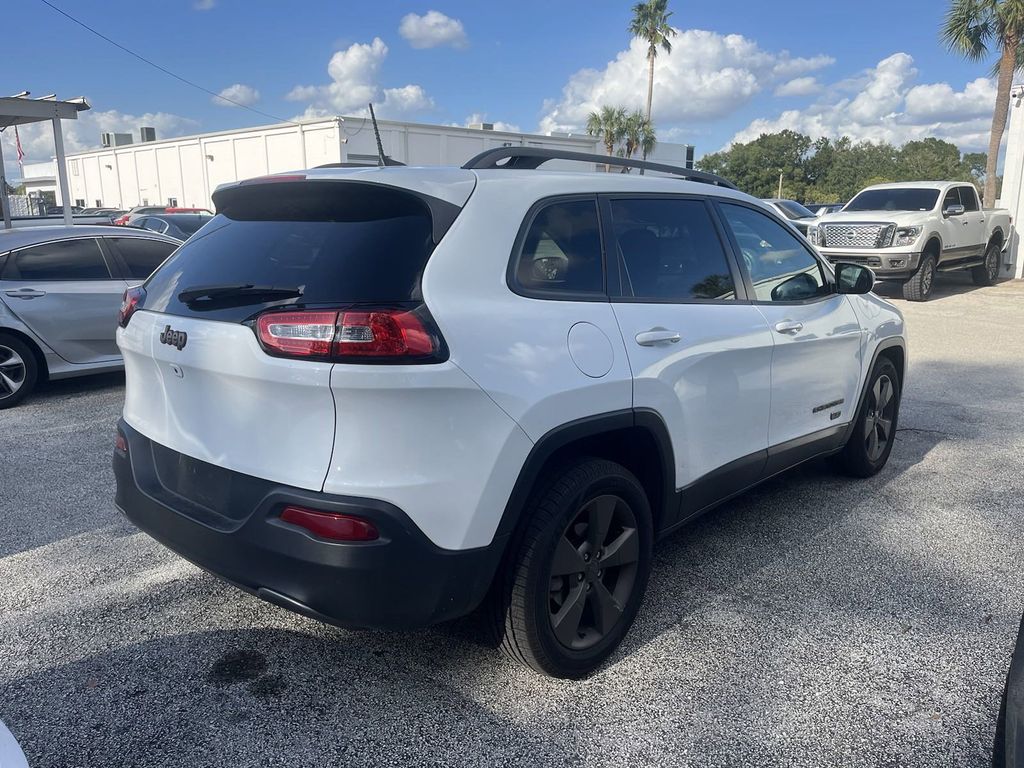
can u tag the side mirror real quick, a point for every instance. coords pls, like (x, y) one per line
(954, 210)
(854, 278)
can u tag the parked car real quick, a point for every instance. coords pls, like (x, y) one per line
(139, 210)
(344, 404)
(911, 231)
(60, 288)
(795, 213)
(820, 209)
(1008, 748)
(180, 226)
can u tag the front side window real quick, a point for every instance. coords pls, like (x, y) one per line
(780, 267)
(669, 250)
(969, 198)
(952, 198)
(64, 260)
(561, 251)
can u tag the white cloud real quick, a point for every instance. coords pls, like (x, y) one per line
(431, 30)
(884, 103)
(354, 84)
(205, 5)
(799, 86)
(499, 125)
(84, 133)
(707, 76)
(237, 95)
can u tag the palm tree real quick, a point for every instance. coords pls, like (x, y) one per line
(971, 26)
(607, 124)
(637, 133)
(650, 23)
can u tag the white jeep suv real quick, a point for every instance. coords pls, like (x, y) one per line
(385, 397)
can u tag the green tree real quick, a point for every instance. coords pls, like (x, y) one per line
(608, 125)
(650, 24)
(970, 28)
(930, 160)
(637, 134)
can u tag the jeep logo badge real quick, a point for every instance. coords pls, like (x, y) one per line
(174, 338)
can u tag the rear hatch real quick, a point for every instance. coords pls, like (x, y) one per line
(229, 346)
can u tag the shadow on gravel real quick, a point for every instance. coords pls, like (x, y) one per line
(64, 388)
(258, 697)
(947, 284)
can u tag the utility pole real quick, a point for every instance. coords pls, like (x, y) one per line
(780, 186)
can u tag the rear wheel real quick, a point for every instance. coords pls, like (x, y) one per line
(874, 431)
(18, 370)
(987, 273)
(576, 578)
(919, 287)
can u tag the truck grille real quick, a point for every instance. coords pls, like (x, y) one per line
(857, 235)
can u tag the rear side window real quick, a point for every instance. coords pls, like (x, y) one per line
(339, 243)
(670, 251)
(142, 256)
(64, 260)
(560, 254)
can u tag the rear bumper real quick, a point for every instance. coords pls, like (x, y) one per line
(400, 581)
(881, 263)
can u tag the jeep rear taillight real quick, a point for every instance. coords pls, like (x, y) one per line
(130, 302)
(354, 335)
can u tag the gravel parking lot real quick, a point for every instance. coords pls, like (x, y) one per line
(815, 621)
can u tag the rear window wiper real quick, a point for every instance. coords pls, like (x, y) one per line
(237, 291)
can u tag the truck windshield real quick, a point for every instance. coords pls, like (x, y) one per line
(896, 199)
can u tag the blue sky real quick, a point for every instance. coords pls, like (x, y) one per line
(870, 69)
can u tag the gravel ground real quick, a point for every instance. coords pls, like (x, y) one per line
(815, 621)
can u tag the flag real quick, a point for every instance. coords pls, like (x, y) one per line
(21, 152)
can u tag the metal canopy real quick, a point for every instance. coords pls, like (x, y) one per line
(20, 110)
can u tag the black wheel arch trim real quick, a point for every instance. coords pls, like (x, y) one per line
(591, 426)
(893, 342)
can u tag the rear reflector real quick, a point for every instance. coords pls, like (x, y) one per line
(365, 334)
(330, 525)
(121, 443)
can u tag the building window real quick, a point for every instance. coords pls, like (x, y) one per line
(172, 202)
(79, 202)
(73, 167)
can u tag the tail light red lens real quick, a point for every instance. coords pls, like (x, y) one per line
(130, 302)
(366, 334)
(121, 443)
(331, 525)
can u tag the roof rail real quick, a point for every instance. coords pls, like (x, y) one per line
(530, 158)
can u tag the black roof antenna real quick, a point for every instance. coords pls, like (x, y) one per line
(382, 159)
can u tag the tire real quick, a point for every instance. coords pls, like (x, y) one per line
(19, 370)
(874, 430)
(987, 273)
(566, 624)
(919, 287)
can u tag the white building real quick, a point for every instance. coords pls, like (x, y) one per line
(185, 171)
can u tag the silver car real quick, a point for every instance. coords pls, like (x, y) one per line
(60, 290)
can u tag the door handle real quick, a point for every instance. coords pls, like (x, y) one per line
(789, 326)
(656, 336)
(25, 293)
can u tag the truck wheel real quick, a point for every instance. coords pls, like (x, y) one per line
(18, 370)
(576, 577)
(919, 287)
(874, 430)
(987, 273)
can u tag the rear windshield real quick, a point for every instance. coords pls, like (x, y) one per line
(794, 210)
(896, 199)
(338, 243)
(190, 224)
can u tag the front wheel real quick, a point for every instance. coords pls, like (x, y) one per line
(987, 273)
(874, 430)
(577, 576)
(919, 287)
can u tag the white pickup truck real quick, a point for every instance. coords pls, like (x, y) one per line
(909, 231)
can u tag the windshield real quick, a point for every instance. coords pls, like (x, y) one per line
(793, 210)
(895, 199)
